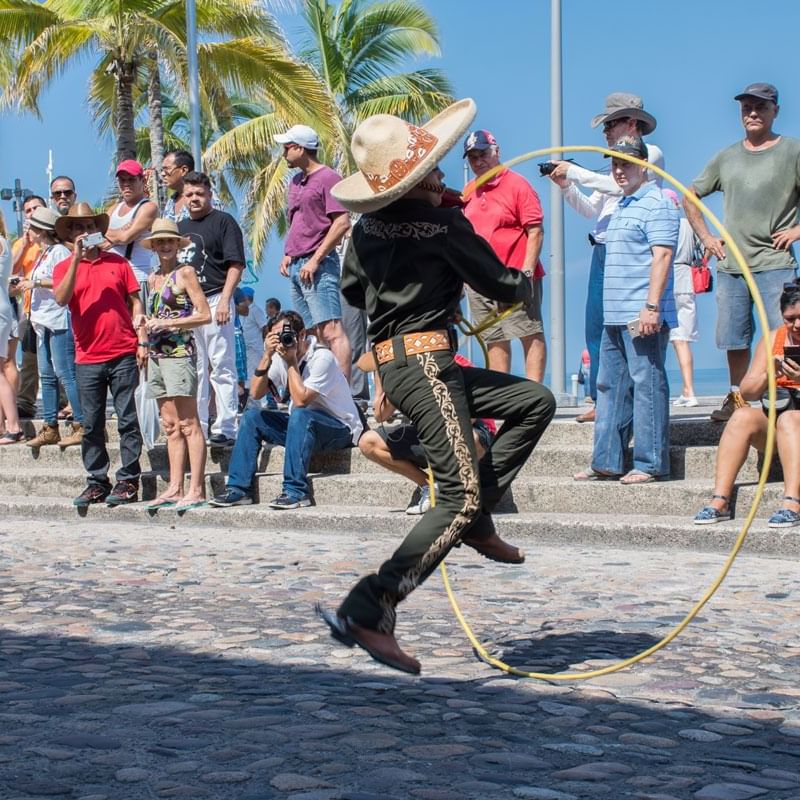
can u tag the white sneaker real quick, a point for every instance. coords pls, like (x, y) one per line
(681, 401)
(421, 499)
(690, 402)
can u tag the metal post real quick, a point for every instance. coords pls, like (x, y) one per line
(556, 226)
(194, 82)
(467, 312)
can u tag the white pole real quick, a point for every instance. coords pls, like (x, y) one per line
(556, 226)
(194, 82)
(49, 171)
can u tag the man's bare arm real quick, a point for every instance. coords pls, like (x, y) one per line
(714, 245)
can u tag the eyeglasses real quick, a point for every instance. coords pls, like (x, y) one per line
(168, 170)
(62, 193)
(607, 126)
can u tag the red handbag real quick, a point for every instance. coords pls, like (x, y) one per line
(702, 278)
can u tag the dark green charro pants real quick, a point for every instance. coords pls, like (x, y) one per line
(441, 397)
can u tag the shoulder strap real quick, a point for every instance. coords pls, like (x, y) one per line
(129, 247)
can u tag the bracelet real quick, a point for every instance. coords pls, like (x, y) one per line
(142, 344)
(260, 373)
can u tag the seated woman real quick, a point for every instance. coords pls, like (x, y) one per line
(748, 425)
(176, 304)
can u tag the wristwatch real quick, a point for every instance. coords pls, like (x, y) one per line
(651, 306)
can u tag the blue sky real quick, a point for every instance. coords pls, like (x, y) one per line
(686, 58)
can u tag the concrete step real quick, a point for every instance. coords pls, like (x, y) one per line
(681, 498)
(386, 526)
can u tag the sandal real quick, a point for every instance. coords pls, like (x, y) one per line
(161, 502)
(637, 476)
(785, 517)
(708, 515)
(12, 438)
(590, 474)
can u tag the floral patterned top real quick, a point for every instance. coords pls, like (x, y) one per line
(170, 303)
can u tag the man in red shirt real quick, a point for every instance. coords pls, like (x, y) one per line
(506, 211)
(103, 296)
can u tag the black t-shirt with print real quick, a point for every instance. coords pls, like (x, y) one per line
(217, 242)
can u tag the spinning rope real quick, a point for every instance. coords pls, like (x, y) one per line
(476, 330)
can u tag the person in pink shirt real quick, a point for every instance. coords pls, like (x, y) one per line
(506, 211)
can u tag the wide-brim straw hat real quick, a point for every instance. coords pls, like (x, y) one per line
(83, 212)
(44, 219)
(165, 229)
(393, 155)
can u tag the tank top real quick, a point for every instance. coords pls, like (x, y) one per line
(777, 350)
(140, 257)
(170, 303)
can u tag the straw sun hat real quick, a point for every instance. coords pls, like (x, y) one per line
(393, 156)
(165, 229)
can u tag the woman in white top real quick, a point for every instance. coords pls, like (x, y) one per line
(55, 346)
(8, 391)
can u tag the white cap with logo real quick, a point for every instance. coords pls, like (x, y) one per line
(299, 134)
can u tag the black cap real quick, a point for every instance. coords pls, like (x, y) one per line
(763, 91)
(631, 146)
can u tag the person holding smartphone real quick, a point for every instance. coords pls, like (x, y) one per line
(110, 347)
(747, 426)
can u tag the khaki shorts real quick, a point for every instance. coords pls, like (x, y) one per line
(523, 322)
(171, 377)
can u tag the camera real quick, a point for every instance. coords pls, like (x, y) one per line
(546, 167)
(14, 280)
(287, 337)
(93, 240)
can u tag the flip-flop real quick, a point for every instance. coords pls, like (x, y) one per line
(156, 504)
(590, 474)
(180, 509)
(637, 476)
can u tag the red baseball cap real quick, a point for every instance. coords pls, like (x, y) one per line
(130, 167)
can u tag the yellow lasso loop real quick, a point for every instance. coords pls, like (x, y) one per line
(734, 251)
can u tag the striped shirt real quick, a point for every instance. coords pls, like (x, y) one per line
(642, 220)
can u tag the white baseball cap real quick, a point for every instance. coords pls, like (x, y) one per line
(299, 134)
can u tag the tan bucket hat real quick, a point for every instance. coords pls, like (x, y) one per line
(80, 211)
(620, 105)
(393, 155)
(165, 229)
(44, 219)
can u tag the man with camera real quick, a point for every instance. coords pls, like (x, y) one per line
(507, 213)
(107, 314)
(322, 415)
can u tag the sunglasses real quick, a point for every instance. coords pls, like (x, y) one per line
(607, 126)
(62, 193)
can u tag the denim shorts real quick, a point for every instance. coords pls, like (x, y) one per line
(735, 320)
(319, 302)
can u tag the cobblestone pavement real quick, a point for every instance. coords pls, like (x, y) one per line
(143, 662)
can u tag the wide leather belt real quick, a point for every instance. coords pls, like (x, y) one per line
(413, 343)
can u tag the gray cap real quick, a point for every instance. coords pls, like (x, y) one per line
(763, 91)
(620, 105)
(631, 146)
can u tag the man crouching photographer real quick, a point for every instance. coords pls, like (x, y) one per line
(322, 415)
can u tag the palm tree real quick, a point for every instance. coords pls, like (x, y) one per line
(356, 48)
(125, 37)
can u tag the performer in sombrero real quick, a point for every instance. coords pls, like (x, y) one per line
(406, 265)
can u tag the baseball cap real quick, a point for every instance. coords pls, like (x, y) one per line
(763, 91)
(479, 140)
(238, 296)
(130, 167)
(248, 291)
(299, 134)
(630, 146)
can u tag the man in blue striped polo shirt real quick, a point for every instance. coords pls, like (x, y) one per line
(638, 311)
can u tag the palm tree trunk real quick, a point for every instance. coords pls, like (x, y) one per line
(126, 135)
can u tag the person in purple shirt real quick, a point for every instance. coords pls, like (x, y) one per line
(317, 223)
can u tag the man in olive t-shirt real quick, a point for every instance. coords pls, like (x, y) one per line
(760, 179)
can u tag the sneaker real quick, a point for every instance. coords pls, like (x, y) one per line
(123, 492)
(221, 440)
(231, 497)
(91, 494)
(284, 502)
(733, 400)
(680, 401)
(421, 499)
(785, 518)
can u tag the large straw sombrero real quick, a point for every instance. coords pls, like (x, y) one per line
(393, 156)
(82, 212)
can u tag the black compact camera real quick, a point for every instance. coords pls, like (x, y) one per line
(287, 337)
(546, 167)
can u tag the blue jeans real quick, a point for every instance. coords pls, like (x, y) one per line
(55, 353)
(594, 315)
(319, 302)
(303, 432)
(735, 322)
(632, 400)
